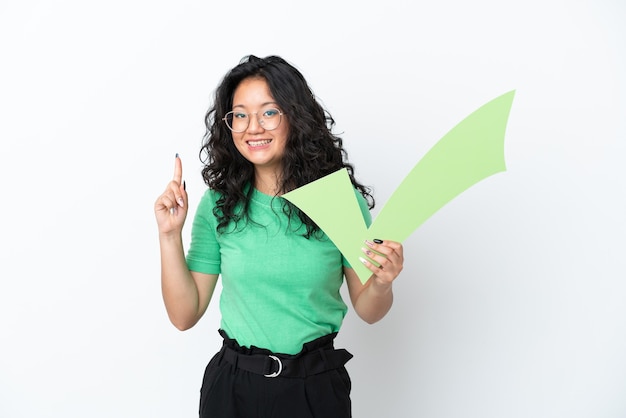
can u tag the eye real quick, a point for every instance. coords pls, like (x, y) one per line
(240, 115)
(269, 113)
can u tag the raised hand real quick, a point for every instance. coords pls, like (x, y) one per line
(171, 207)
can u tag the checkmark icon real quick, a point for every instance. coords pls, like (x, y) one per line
(470, 152)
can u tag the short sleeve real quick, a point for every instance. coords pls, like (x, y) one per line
(204, 250)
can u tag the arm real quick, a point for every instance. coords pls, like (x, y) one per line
(372, 300)
(186, 294)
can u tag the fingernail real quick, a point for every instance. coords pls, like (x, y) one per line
(378, 241)
(369, 243)
(184, 186)
(362, 260)
(366, 251)
(176, 155)
(181, 202)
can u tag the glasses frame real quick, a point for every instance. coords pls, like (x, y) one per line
(259, 120)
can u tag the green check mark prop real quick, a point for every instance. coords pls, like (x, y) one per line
(472, 151)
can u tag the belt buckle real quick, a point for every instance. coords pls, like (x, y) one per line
(280, 367)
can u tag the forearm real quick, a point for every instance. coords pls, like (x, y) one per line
(374, 301)
(180, 291)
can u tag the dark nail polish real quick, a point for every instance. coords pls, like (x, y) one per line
(184, 186)
(176, 155)
(378, 241)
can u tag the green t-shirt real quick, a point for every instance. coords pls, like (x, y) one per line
(279, 289)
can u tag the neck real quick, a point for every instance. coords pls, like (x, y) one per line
(266, 183)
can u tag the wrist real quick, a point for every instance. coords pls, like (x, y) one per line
(174, 237)
(381, 288)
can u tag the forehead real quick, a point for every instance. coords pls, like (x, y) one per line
(252, 92)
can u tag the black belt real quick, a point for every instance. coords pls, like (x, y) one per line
(302, 365)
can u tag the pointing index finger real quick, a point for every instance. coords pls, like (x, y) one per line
(178, 170)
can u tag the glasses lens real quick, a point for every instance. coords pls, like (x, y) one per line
(270, 119)
(238, 121)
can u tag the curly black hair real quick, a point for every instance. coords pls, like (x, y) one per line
(311, 152)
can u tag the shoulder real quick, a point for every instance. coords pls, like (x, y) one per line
(210, 197)
(208, 202)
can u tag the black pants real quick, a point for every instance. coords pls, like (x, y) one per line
(313, 383)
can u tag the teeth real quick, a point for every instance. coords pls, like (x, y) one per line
(259, 143)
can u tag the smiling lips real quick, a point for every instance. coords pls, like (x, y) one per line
(259, 143)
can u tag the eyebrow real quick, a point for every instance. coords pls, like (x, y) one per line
(262, 104)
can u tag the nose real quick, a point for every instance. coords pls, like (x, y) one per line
(255, 124)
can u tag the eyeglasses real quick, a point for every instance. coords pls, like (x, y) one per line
(238, 121)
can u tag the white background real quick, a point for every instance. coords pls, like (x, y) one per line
(513, 298)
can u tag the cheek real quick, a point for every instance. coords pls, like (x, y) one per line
(283, 143)
(236, 139)
(237, 144)
(284, 137)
